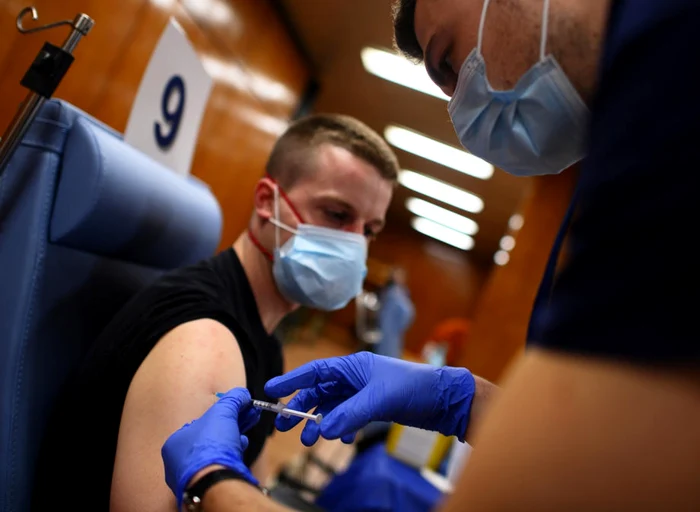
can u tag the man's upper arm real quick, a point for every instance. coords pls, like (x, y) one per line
(175, 384)
(569, 433)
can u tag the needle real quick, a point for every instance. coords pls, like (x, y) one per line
(280, 408)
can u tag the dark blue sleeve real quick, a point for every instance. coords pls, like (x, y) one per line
(629, 286)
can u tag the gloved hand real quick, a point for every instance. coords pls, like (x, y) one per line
(214, 438)
(355, 390)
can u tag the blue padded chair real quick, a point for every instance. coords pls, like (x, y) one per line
(85, 222)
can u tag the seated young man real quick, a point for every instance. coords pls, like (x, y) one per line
(208, 328)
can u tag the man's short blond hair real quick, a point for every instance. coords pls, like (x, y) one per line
(292, 154)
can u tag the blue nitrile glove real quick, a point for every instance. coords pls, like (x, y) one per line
(214, 438)
(355, 390)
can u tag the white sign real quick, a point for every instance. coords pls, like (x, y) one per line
(165, 118)
(415, 446)
(458, 460)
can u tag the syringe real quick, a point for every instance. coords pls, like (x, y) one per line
(281, 408)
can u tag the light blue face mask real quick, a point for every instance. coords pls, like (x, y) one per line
(318, 267)
(539, 127)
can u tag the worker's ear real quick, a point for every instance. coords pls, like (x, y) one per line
(264, 198)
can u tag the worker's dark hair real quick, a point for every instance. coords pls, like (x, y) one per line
(403, 13)
(291, 155)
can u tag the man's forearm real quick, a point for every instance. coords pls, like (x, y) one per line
(483, 397)
(235, 496)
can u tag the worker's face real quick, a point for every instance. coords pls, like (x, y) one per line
(340, 191)
(447, 32)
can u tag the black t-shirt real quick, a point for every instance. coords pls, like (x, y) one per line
(77, 456)
(628, 288)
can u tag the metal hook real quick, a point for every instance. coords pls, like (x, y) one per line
(35, 16)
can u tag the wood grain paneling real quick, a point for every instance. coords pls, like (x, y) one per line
(501, 319)
(258, 73)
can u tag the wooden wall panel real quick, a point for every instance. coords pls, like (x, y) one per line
(443, 281)
(501, 319)
(258, 74)
(259, 38)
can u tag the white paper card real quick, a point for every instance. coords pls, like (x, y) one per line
(415, 446)
(168, 110)
(458, 460)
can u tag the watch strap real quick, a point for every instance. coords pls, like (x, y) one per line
(193, 495)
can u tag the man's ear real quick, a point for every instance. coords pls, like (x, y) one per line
(264, 198)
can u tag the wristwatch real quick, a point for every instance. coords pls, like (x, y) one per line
(193, 496)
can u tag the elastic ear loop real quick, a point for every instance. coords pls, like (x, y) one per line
(482, 22)
(545, 29)
(283, 195)
(276, 222)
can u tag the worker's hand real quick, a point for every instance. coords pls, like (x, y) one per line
(214, 438)
(355, 390)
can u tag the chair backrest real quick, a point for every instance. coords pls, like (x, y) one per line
(85, 222)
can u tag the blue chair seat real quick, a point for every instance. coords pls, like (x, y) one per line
(85, 222)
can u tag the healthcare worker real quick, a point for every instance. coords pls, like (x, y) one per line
(603, 411)
(396, 314)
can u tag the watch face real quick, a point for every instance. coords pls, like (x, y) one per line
(192, 503)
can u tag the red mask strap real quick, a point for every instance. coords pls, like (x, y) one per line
(284, 196)
(260, 247)
(255, 240)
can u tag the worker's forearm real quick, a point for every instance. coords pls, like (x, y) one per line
(483, 397)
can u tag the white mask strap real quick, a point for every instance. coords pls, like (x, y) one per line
(284, 226)
(480, 39)
(277, 222)
(545, 29)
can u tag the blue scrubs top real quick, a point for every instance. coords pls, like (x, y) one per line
(395, 317)
(629, 286)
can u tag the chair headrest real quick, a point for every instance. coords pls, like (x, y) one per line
(115, 201)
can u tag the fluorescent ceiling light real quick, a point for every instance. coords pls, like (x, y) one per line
(501, 258)
(442, 233)
(215, 11)
(397, 69)
(507, 243)
(436, 151)
(442, 216)
(441, 191)
(516, 222)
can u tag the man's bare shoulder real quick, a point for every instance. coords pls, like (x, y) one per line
(175, 384)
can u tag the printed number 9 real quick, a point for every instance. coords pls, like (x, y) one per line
(172, 117)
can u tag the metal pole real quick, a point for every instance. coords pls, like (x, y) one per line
(33, 101)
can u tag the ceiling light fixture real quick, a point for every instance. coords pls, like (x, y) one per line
(442, 216)
(507, 243)
(501, 258)
(439, 152)
(442, 233)
(516, 222)
(441, 191)
(399, 70)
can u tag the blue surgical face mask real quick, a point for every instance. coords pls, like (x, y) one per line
(318, 267)
(539, 127)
